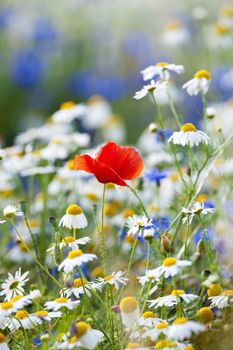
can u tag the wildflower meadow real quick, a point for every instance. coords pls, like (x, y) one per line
(110, 241)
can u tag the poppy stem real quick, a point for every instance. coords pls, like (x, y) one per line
(102, 243)
(134, 191)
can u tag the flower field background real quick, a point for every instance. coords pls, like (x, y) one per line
(116, 170)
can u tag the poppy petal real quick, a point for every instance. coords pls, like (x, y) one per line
(125, 161)
(102, 172)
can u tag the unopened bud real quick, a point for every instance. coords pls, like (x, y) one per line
(116, 309)
(165, 244)
(23, 206)
(201, 247)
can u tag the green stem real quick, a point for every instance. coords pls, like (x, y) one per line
(159, 114)
(175, 114)
(140, 201)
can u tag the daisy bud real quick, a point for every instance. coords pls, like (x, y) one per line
(165, 244)
(201, 247)
(214, 290)
(116, 309)
(153, 127)
(57, 254)
(205, 314)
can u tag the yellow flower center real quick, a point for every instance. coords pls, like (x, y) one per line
(177, 292)
(81, 328)
(205, 314)
(111, 208)
(61, 300)
(188, 127)
(91, 196)
(133, 346)
(162, 64)
(2, 338)
(73, 340)
(75, 253)
(6, 305)
(21, 314)
(127, 212)
(42, 313)
(214, 290)
(130, 239)
(188, 347)
(97, 272)
(161, 325)
(68, 239)
(180, 320)
(15, 298)
(202, 74)
(169, 262)
(79, 282)
(165, 344)
(202, 197)
(227, 11)
(128, 304)
(108, 278)
(148, 314)
(173, 26)
(74, 209)
(67, 105)
(228, 293)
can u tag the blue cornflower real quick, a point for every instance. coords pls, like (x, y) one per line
(207, 235)
(156, 176)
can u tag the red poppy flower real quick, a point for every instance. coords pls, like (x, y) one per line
(113, 163)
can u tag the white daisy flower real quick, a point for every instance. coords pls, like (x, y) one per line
(173, 299)
(200, 83)
(136, 224)
(10, 211)
(182, 329)
(58, 303)
(43, 315)
(22, 319)
(162, 69)
(130, 312)
(115, 279)
(159, 328)
(86, 336)
(74, 218)
(197, 209)
(176, 33)
(171, 267)
(222, 301)
(166, 344)
(3, 344)
(7, 308)
(69, 111)
(80, 286)
(148, 319)
(70, 242)
(13, 285)
(20, 301)
(75, 258)
(189, 135)
(150, 88)
(150, 276)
